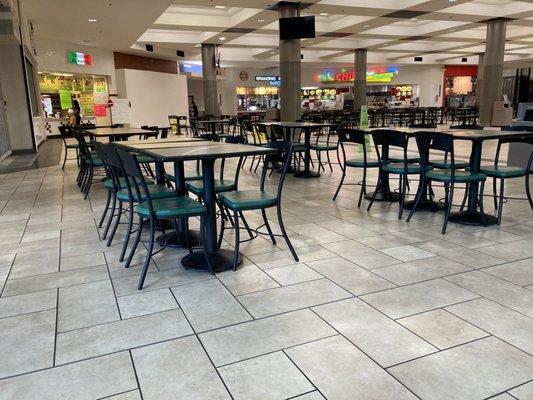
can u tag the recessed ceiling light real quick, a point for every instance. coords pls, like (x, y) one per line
(92, 20)
(414, 19)
(324, 14)
(198, 45)
(222, 7)
(222, 38)
(366, 26)
(452, 30)
(261, 20)
(452, 1)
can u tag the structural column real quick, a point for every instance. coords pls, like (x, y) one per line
(491, 82)
(290, 70)
(209, 71)
(359, 90)
(479, 80)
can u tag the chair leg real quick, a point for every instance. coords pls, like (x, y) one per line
(402, 196)
(148, 254)
(89, 182)
(252, 163)
(115, 226)
(340, 184)
(481, 208)
(500, 205)
(448, 207)
(418, 197)
(64, 158)
(329, 161)
(363, 189)
(374, 194)
(267, 225)
(222, 225)
(528, 191)
(245, 223)
(463, 203)
(128, 233)
(111, 215)
(77, 157)
(285, 236)
(202, 240)
(135, 242)
(494, 195)
(237, 240)
(108, 200)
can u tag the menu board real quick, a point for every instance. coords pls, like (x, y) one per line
(100, 85)
(77, 84)
(88, 83)
(65, 98)
(87, 103)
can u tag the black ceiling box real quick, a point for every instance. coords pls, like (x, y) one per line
(464, 59)
(180, 53)
(418, 59)
(297, 28)
(149, 47)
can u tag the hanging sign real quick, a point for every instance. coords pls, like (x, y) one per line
(77, 58)
(65, 99)
(271, 79)
(373, 75)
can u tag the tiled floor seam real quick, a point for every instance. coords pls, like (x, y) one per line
(55, 327)
(135, 373)
(303, 373)
(367, 355)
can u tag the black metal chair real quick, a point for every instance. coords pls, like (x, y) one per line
(156, 209)
(354, 138)
(443, 142)
(324, 144)
(89, 163)
(65, 132)
(246, 200)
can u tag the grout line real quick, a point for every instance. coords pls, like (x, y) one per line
(135, 373)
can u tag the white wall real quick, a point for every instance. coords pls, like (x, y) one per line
(153, 95)
(52, 56)
(226, 93)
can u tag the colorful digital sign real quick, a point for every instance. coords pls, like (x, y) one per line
(272, 80)
(79, 58)
(373, 75)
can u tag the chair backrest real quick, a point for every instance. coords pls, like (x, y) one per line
(134, 178)
(82, 144)
(351, 136)
(390, 138)
(164, 133)
(284, 157)
(439, 141)
(109, 171)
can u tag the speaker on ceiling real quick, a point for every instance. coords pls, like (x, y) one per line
(464, 59)
(180, 53)
(418, 59)
(149, 47)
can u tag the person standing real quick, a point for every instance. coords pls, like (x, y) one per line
(77, 111)
(194, 112)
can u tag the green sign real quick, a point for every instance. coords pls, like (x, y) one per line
(65, 98)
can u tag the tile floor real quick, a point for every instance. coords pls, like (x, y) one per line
(376, 308)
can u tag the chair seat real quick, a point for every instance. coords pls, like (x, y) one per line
(156, 192)
(445, 164)
(400, 159)
(241, 200)
(173, 207)
(225, 185)
(298, 147)
(144, 159)
(398, 168)
(502, 171)
(445, 175)
(73, 146)
(323, 147)
(108, 184)
(360, 163)
(188, 177)
(95, 161)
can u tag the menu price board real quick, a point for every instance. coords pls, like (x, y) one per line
(65, 98)
(87, 103)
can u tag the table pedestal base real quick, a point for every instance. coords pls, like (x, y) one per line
(310, 174)
(424, 205)
(383, 196)
(471, 218)
(222, 260)
(172, 239)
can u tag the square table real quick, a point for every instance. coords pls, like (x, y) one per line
(116, 133)
(208, 153)
(307, 127)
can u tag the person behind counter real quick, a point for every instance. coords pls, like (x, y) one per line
(77, 111)
(194, 111)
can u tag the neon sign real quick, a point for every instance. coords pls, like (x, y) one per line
(79, 58)
(272, 80)
(373, 75)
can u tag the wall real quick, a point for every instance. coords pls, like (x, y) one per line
(226, 94)
(153, 95)
(18, 123)
(52, 56)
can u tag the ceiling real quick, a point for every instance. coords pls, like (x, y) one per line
(393, 31)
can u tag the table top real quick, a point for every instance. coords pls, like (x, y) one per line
(298, 124)
(161, 142)
(117, 131)
(473, 134)
(213, 121)
(184, 151)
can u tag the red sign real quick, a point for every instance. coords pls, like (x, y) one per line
(109, 103)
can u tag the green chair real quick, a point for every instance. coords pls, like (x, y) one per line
(397, 139)
(323, 144)
(353, 138)
(154, 210)
(449, 177)
(90, 164)
(261, 199)
(65, 134)
(504, 172)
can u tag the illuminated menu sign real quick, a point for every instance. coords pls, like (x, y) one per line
(373, 75)
(271, 79)
(79, 58)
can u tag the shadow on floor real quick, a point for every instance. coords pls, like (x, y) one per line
(49, 155)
